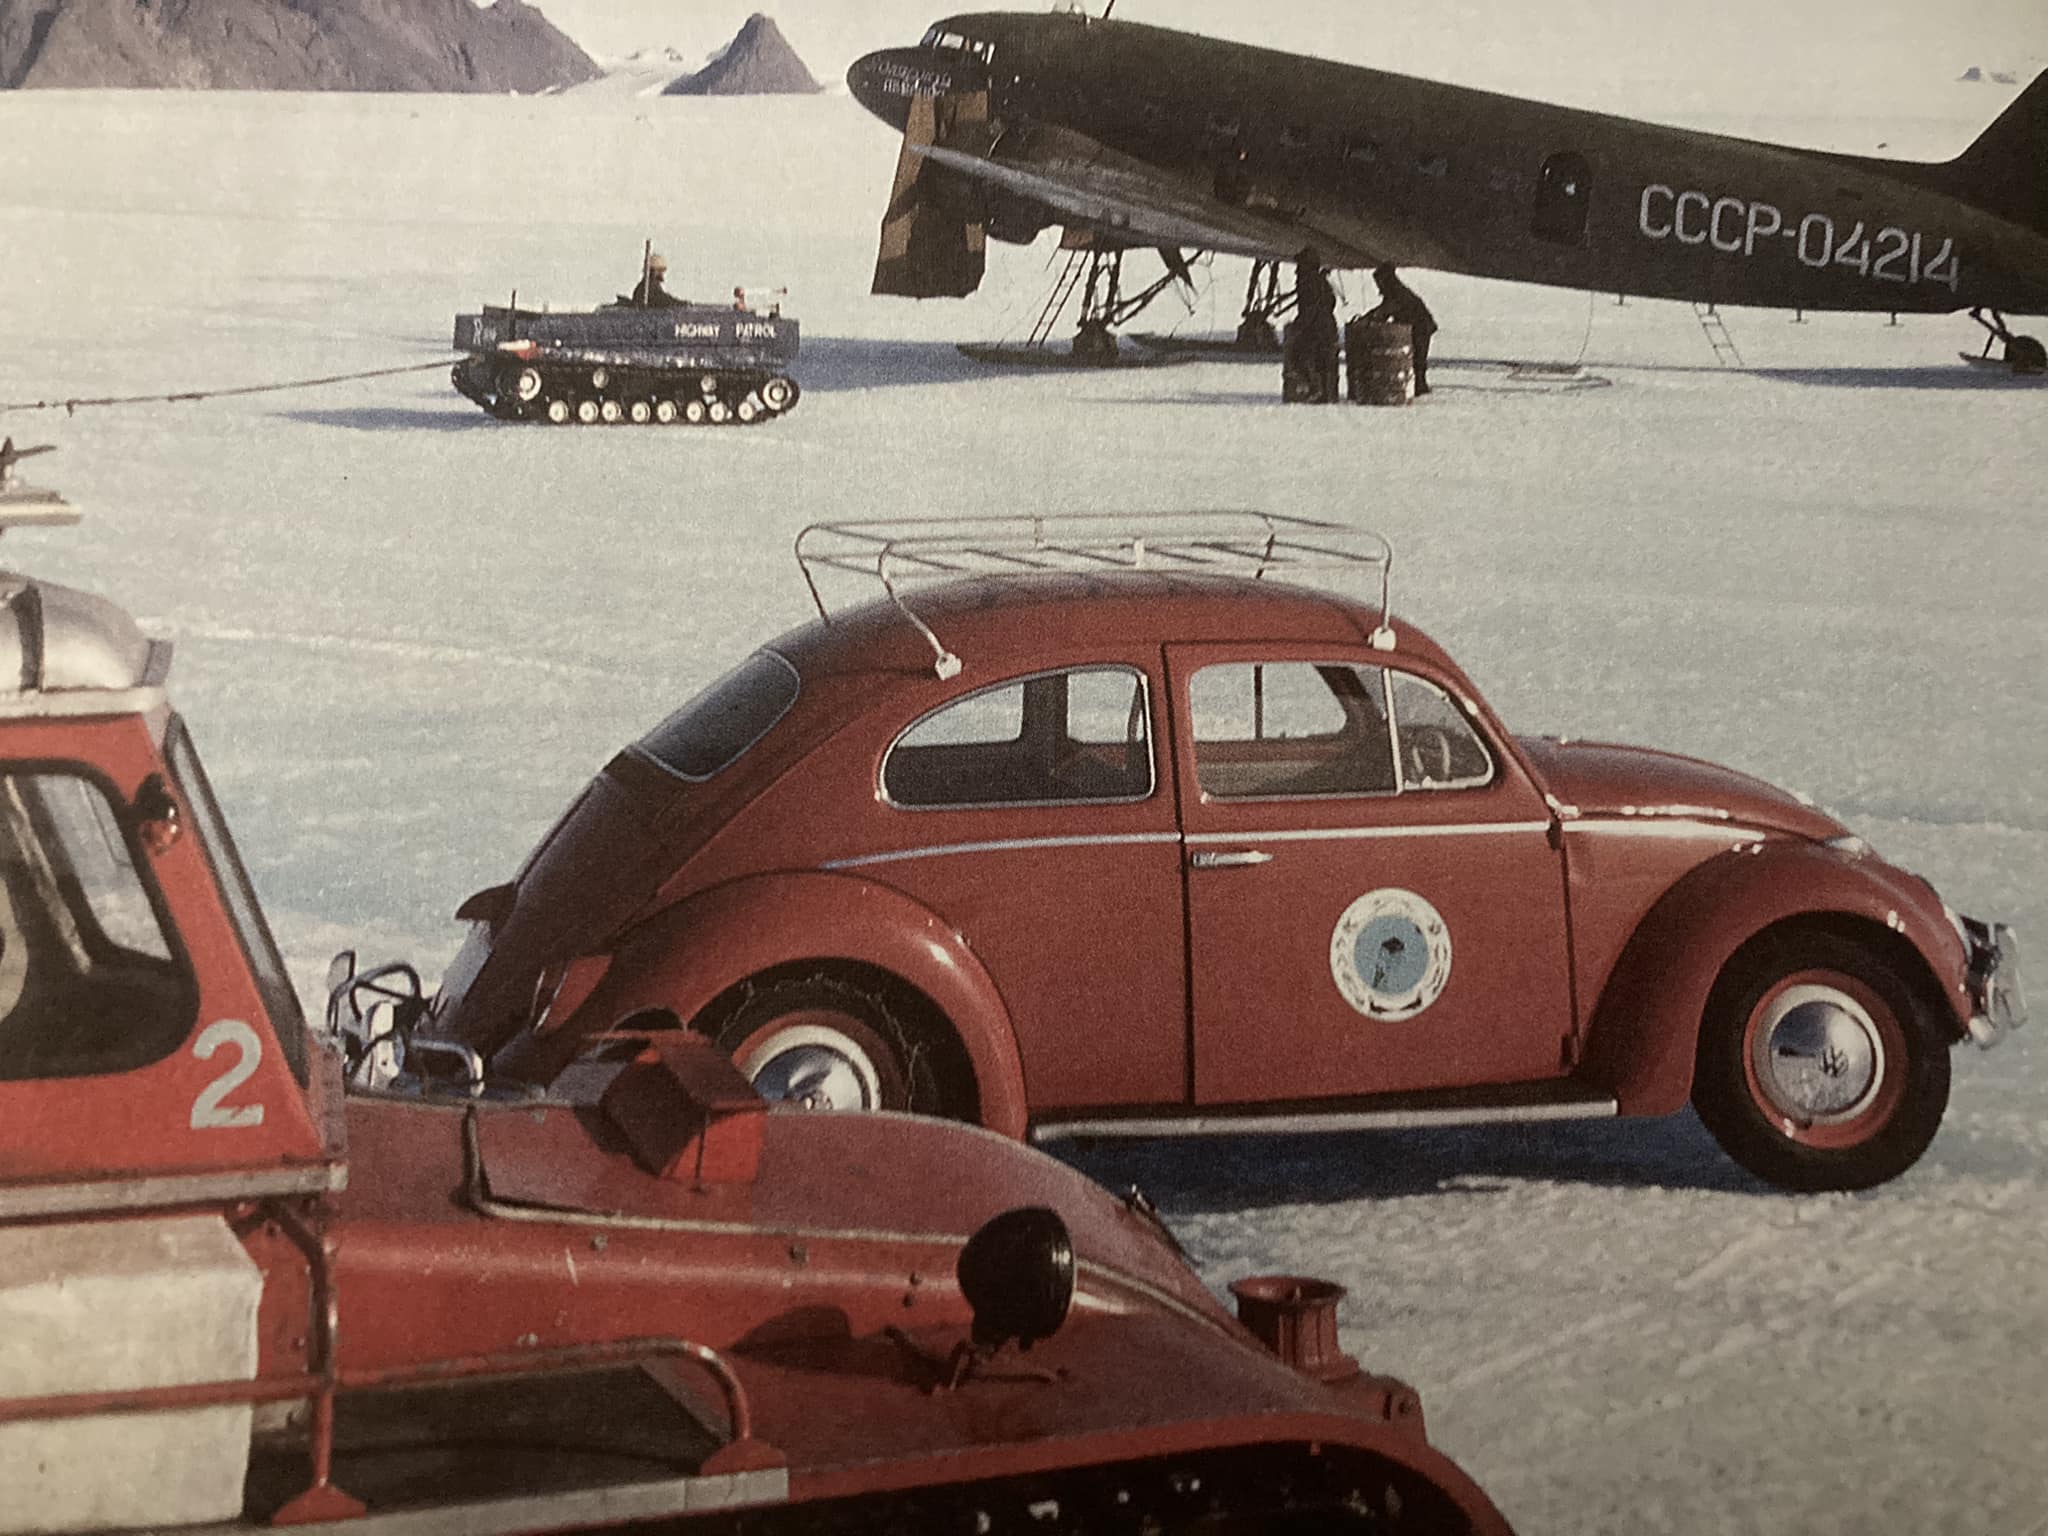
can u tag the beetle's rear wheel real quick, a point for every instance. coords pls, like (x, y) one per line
(828, 1044)
(1819, 1066)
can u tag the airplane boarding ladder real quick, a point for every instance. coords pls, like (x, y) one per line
(1716, 332)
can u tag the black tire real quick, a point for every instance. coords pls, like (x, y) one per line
(2025, 354)
(1820, 1066)
(836, 1045)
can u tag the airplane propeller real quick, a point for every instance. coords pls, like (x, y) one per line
(934, 240)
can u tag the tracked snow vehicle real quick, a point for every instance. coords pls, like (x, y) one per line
(233, 1295)
(695, 364)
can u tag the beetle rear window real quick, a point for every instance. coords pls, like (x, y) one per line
(715, 729)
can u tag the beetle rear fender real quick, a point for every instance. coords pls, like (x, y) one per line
(1645, 1029)
(687, 957)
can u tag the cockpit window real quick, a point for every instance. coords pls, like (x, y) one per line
(715, 729)
(88, 981)
(939, 40)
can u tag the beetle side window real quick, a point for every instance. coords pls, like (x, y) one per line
(1439, 749)
(1055, 739)
(1266, 730)
(715, 729)
(88, 983)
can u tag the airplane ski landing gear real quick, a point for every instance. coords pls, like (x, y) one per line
(1094, 275)
(1264, 303)
(2023, 354)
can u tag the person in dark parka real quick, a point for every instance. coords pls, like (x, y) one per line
(650, 293)
(1312, 339)
(1403, 306)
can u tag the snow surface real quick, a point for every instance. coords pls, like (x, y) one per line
(407, 634)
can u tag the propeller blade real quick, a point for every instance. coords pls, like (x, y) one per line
(933, 244)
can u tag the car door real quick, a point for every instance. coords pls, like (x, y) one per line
(1030, 815)
(1375, 899)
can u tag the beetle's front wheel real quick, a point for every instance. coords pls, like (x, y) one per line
(1819, 1067)
(826, 1044)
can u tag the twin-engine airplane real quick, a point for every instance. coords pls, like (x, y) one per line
(1134, 136)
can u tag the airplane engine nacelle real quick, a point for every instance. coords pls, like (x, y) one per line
(1016, 220)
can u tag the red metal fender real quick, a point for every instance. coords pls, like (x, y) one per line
(687, 955)
(1645, 1029)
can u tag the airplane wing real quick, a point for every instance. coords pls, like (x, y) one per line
(1089, 184)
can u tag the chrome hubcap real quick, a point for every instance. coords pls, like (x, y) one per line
(1818, 1055)
(816, 1068)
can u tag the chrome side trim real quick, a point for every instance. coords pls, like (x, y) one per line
(151, 1191)
(1659, 824)
(581, 1510)
(1410, 1119)
(1002, 845)
(1337, 834)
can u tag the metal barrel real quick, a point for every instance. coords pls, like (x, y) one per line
(1379, 362)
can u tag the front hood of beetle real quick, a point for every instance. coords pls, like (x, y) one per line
(1602, 779)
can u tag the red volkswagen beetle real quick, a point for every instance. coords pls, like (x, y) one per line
(1115, 827)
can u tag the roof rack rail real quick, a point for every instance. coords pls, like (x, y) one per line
(899, 551)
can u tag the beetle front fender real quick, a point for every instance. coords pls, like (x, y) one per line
(1644, 1032)
(688, 955)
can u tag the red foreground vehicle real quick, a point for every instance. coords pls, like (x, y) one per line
(1111, 832)
(232, 1297)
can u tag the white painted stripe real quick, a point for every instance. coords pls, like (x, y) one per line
(1325, 834)
(1003, 845)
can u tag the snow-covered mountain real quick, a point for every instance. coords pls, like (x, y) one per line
(757, 62)
(287, 45)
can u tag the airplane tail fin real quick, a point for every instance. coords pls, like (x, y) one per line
(2006, 170)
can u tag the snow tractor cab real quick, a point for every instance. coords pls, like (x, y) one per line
(659, 362)
(232, 1295)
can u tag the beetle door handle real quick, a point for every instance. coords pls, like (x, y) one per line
(1235, 858)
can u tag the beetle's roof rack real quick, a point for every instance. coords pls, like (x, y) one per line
(898, 551)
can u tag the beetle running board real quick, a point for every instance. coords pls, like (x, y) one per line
(1408, 1115)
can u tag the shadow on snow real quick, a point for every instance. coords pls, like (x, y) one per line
(1237, 1173)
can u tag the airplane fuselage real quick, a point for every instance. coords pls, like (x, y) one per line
(1371, 166)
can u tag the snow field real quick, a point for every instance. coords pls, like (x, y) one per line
(407, 635)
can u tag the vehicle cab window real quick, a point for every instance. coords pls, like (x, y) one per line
(88, 982)
(1438, 747)
(1267, 730)
(1056, 738)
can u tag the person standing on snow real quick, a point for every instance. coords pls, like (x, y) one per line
(1403, 306)
(1312, 350)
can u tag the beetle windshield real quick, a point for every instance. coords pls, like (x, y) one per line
(258, 947)
(715, 729)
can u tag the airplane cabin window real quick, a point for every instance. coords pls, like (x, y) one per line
(1294, 136)
(1562, 197)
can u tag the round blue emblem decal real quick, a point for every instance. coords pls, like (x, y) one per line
(1390, 954)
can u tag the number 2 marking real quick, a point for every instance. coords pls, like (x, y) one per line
(208, 1113)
